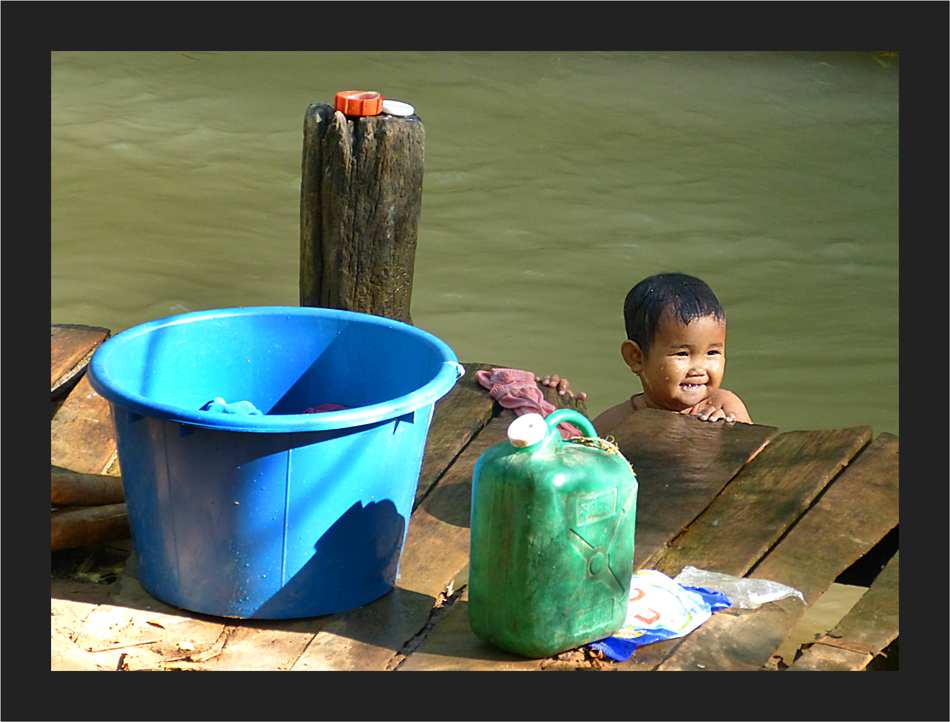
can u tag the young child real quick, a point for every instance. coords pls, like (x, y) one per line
(676, 344)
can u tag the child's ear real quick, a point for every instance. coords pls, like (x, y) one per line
(630, 350)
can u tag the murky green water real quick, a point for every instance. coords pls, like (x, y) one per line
(554, 182)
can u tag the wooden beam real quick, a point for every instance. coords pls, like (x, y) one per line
(83, 526)
(71, 489)
(360, 200)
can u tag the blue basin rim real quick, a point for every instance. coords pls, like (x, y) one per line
(429, 393)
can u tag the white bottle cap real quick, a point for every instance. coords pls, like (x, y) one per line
(527, 430)
(394, 107)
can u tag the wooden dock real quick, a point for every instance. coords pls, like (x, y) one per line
(795, 507)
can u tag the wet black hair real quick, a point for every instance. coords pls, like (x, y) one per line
(686, 297)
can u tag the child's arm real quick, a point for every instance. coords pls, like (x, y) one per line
(723, 405)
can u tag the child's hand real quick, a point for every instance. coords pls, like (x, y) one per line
(708, 410)
(563, 386)
(721, 406)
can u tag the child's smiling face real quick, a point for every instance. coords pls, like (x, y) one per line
(685, 364)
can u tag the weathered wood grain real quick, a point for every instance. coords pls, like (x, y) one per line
(681, 464)
(82, 437)
(452, 646)
(872, 624)
(360, 200)
(457, 417)
(855, 512)
(158, 638)
(762, 502)
(271, 645)
(71, 348)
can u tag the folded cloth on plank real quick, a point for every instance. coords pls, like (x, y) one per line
(518, 390)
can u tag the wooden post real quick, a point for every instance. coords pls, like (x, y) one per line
(360, 197)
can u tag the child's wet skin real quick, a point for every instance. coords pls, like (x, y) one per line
(685, 364)
(676, 345)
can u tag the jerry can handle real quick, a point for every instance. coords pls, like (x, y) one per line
(573, 417)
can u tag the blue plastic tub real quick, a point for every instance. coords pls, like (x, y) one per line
(285, 514)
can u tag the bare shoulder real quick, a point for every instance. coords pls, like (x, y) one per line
(611, 417)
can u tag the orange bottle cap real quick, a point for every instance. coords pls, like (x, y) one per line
(359, 102)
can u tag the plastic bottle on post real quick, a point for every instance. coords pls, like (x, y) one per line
(552, 539)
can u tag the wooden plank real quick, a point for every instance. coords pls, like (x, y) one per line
(854, 513)
(457, 417)
(681, 464)
(273, 644)
(360, 198)
(452, 646)
(150, 639)
(762, 502)
(872, 624)
(82, 437)
(437, 546)
(71, 347)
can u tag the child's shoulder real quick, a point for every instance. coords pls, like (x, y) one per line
(612, 416)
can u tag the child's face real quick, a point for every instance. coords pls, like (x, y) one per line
(685, 365)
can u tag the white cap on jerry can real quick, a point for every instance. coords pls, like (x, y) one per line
(527, 430)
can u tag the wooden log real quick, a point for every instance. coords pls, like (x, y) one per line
(360, 199)
(72, 489)
(77, 527)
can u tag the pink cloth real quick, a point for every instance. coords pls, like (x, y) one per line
(518, 390)
(325, 407)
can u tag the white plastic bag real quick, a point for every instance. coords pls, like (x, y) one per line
(743, 593)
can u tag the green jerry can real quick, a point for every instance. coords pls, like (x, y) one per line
(552, 538)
